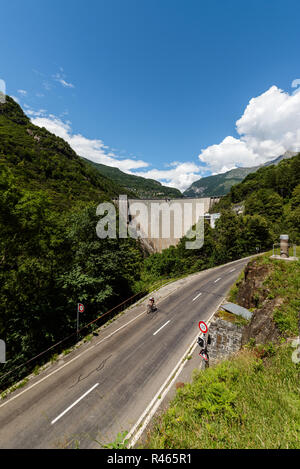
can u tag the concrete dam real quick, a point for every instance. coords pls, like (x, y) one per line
(161, 223)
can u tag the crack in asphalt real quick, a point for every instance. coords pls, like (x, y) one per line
(98, 369)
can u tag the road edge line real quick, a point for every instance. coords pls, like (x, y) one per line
(138, 429)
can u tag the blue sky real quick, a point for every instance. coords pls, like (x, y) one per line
(149, 85)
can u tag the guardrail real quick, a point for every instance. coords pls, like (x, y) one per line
(292, 249)
(26, 368)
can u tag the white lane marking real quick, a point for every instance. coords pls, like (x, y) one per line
(117, 330)
(161, 328)
(74, 404)
(138, 429)
(158, 398)
(218, 279)
(233, 270)
(197, 297)
(92, 346)
(69, 362)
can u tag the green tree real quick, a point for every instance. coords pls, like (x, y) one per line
(267, 203)
(256, 233)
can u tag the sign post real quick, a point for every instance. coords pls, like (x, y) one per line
(203, 342)
(80, 309)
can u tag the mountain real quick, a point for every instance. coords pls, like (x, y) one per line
(286, 155)
(142, 188)
(39, 160)
(220, 184)
(273, 192)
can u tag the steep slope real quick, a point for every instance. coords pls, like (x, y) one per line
(273, 192)
(41, 161)
(142, 187)
(220, 184)
(51, 258)
(281, 178)
(285, 156)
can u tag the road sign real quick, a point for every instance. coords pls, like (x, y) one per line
(80, 309)
(204, 355)
(203, 327)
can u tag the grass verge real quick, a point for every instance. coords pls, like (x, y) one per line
(250, 401)
(283, 281)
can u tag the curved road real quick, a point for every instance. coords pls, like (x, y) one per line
(103, 388)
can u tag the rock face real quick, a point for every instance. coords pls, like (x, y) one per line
(251, 289)
(262, 327)
(226, 337)
(253, 293)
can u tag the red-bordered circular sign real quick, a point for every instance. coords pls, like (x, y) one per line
(81, 308)
(203, 327)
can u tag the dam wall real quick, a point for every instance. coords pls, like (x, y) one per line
(162, 223)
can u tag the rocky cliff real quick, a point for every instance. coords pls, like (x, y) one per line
(253, 293)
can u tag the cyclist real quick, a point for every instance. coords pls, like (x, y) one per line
(151, 304)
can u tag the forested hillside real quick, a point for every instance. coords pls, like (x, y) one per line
(50, 256)
(41, 161)
(274, 193)
(142, 187)
(218, 184)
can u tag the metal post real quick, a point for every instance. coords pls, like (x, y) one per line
(284, 246)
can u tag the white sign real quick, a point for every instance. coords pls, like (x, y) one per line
(203, 327)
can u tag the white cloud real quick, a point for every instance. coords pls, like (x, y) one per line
(65, 83)
(92, 149)
(60, 77)
(228, 154)
(271, 123)
(47, 86)
(268, 128)
(181, 175)
(22, 92)
(32, 113)
(15, 99)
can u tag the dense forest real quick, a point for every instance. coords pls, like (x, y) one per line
(51, 257)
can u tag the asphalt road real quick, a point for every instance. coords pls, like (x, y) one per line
(103, 388)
